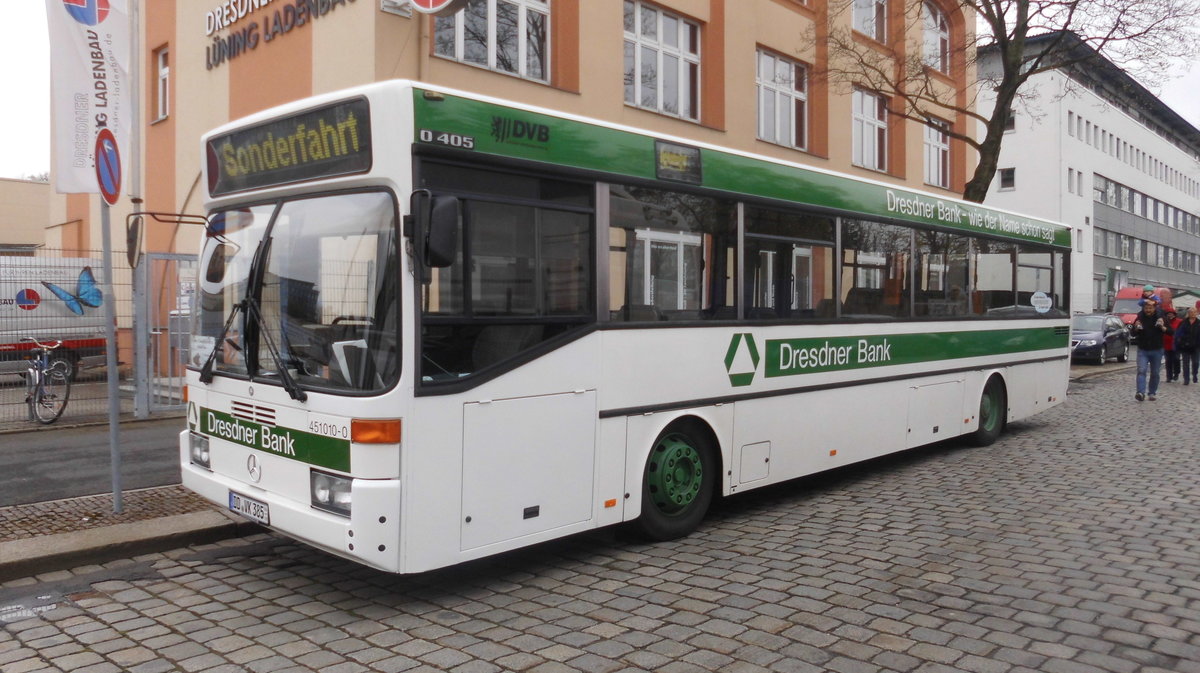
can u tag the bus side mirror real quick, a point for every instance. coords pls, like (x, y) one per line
(441, 241)
(433, 227)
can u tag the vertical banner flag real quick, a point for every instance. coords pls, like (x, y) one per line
(90, 87)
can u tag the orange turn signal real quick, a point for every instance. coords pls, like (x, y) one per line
(610, 503)
(375, 432)
(185, 394)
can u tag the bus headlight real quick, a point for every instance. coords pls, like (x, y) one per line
(198, 448)
(329, 492)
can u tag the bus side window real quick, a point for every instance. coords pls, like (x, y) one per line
(523, 275)
(672, 256)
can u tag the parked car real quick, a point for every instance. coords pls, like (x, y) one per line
(1098, 337)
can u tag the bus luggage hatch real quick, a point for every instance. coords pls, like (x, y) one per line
(934, 412)
(528, 465)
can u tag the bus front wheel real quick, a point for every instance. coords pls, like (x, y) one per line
(993, 408)
(677, 485)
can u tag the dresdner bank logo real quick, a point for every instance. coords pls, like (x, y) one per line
(741, 360)
(789, 357)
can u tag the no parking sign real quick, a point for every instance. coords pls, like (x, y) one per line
(108, 166)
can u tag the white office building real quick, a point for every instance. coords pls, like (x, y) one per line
(1090, 147)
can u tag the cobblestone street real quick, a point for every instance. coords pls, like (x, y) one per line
(1070, 546)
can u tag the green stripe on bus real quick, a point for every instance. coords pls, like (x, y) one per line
(305, 447)
(791, 357)
(509, 132)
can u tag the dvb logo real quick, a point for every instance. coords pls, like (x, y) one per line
(508, 130)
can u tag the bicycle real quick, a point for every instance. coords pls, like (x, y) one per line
(47, 386)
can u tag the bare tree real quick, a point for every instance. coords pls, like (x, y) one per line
(925, 77)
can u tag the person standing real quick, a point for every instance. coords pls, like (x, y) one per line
(1148, 328)
(1170, 354)
(1187, 344)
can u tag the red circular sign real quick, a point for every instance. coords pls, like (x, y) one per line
(108, 166)
(437, 6)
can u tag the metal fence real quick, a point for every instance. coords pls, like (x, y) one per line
(61, 295)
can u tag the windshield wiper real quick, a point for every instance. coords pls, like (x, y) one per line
(285, 377)
(249, 307)
(206, 372)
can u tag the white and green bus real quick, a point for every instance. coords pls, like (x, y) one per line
(434, 326)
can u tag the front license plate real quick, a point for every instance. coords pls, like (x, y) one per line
(250, 508)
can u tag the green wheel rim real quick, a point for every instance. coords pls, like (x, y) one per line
(989, 409)
(674, 474)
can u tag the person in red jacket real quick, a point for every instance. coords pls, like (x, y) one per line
(1169, 353)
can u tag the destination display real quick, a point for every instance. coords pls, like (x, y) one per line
(322, 143)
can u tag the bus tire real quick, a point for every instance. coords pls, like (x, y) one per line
(678, 483)
(993, 411)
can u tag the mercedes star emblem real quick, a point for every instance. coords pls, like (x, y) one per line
(254, 468)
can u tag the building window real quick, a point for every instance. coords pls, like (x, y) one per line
(870, 18)
(510, 36)
(870, 130)
(662, 61)
(937, 153)
(1010, 122)
(162, 88)
(1008, 178)
(782, 101)
(937, 38)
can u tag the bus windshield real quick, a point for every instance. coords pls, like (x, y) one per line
(316, 281)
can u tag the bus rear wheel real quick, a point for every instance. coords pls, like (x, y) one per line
(677, 484)
(993, 407)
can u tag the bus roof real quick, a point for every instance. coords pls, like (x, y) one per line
(445, 117)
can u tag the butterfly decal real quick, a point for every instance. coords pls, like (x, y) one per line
(87, 292)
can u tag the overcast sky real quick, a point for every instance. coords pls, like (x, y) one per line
(25, 82)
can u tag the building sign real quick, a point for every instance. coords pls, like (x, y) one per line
(249, 27)
(322, 143)
(677, 162)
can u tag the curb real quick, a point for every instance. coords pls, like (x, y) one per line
(1131, 364)
(86, 423)
(49, 553)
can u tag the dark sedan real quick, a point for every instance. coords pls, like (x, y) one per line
(1098, 337)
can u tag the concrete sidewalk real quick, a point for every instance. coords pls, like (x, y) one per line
(49, 536)
(45, 537)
